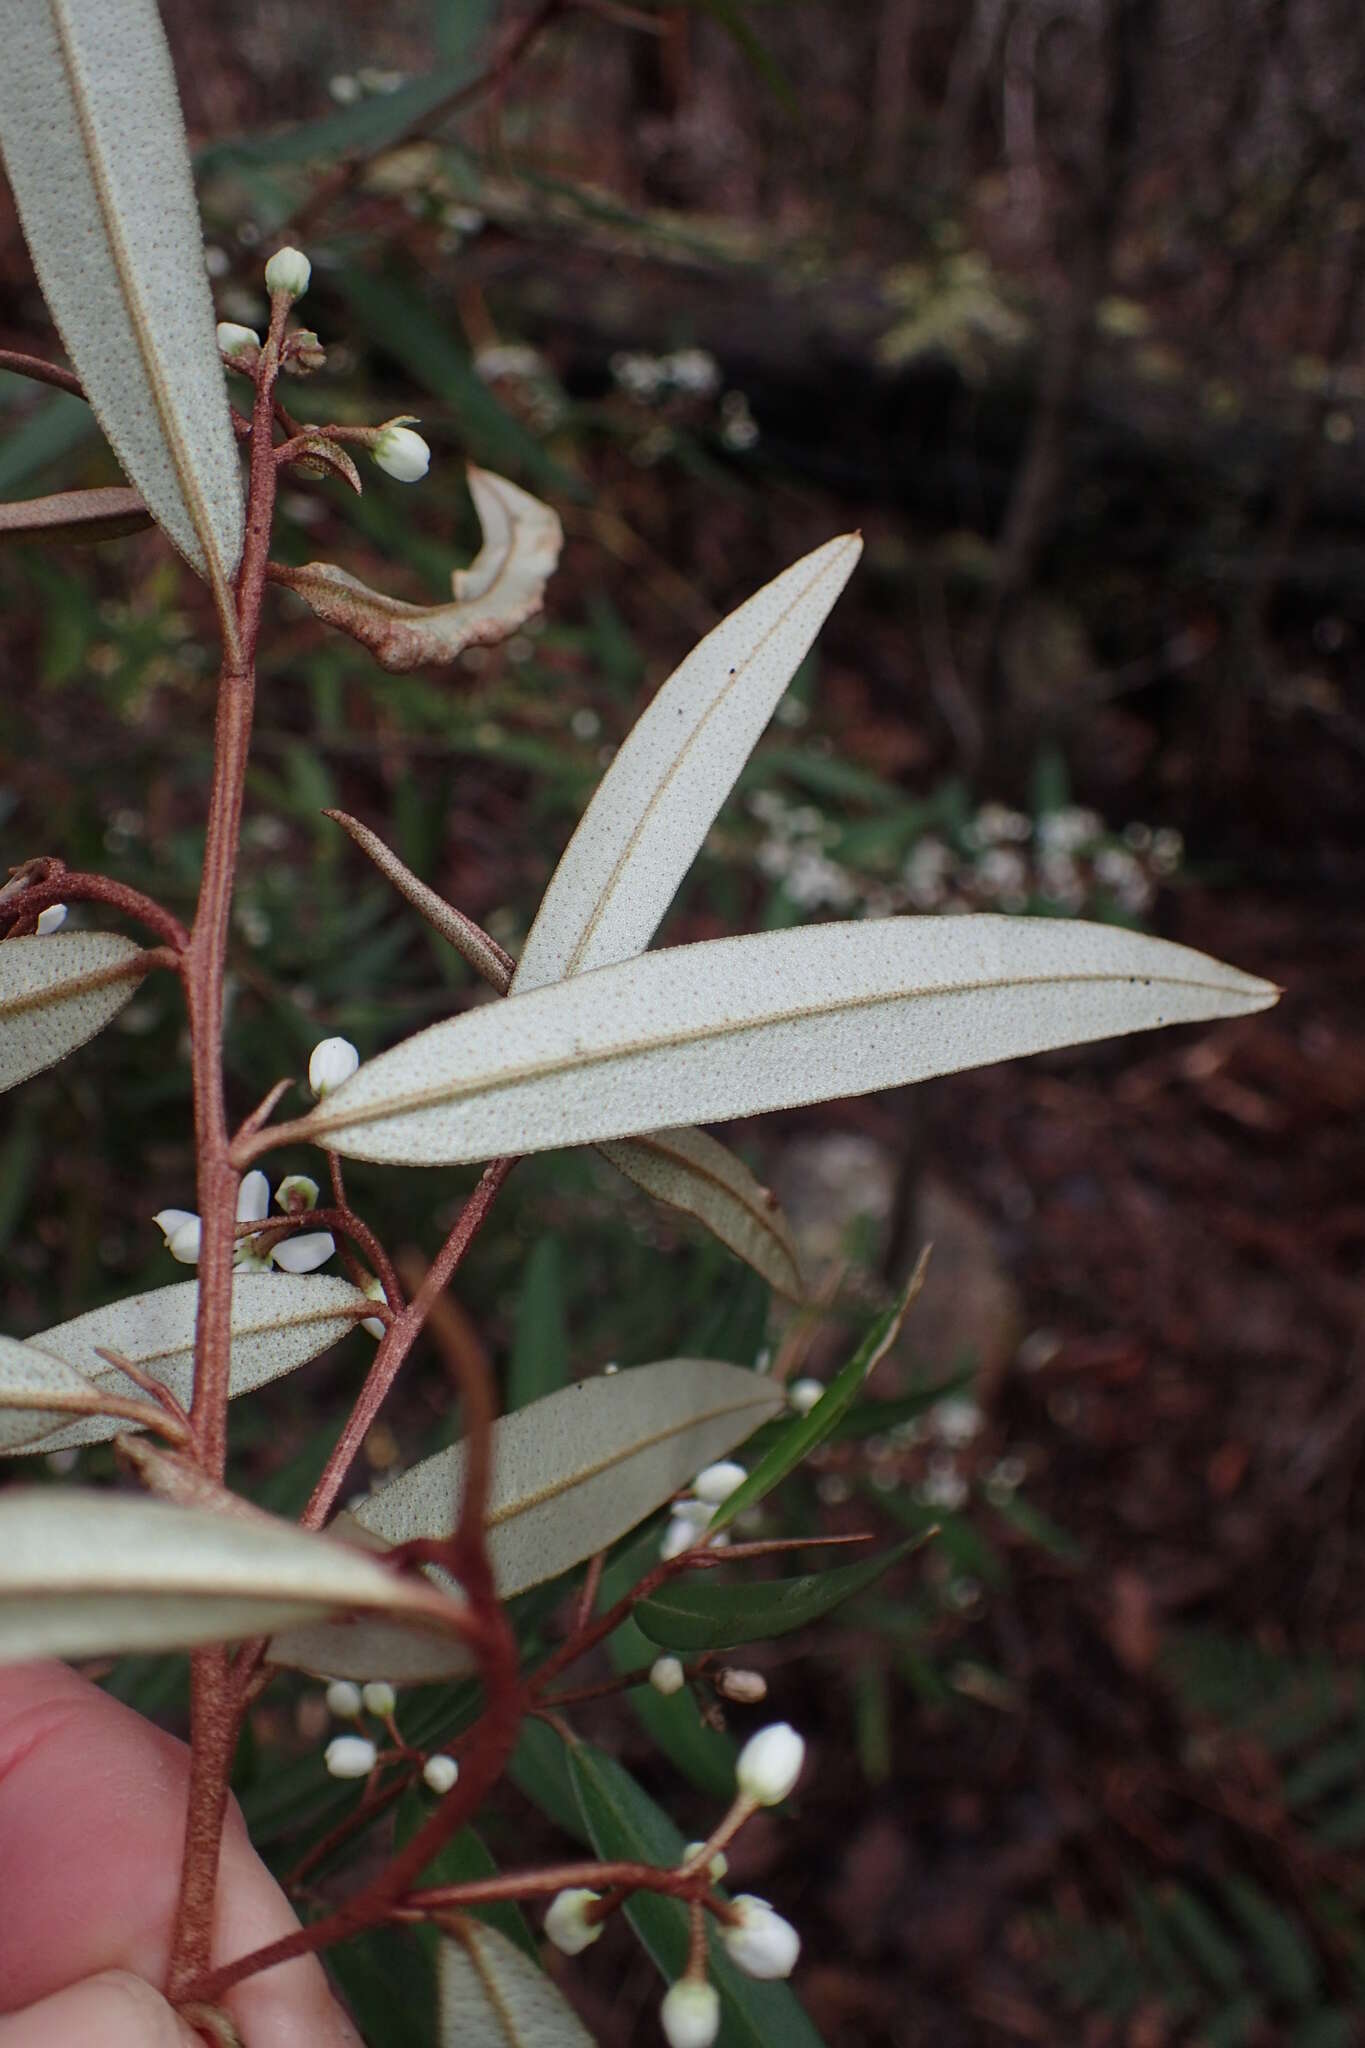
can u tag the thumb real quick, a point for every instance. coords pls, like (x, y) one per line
(115, 2009)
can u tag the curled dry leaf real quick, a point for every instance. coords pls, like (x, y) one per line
(103, 514)
(490, 1995)
(279, 1321)
(733, 1027)
(94, 145)
(85, 1574)
(502, 587)
(56, 992)
(571, 1474)
(321, 457)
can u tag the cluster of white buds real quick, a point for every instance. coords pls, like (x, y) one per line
(355, 1756)
(332, 1061)
(302, 1253)
(692, 1517)
(567, 1924)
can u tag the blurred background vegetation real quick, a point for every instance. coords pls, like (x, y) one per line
(1060, 302)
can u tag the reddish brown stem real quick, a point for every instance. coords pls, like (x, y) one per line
(68, 886)
(398, 1340)
(40, 371)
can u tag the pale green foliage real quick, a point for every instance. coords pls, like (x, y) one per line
(56, 992)
(491, 1996)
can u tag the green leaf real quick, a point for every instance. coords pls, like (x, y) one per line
(803, 1435)
(540, 1350)
(490, 1996)
(462, 1860)
(623, 1822)
(388, 1979)
(699, 1614)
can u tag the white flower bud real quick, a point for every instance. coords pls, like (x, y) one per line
(745, 1688)
(439, 1774)
(803, 1395)
(332, 1061)
(237, 341)
(677, 1537)
(718, 1482)
(181, 1230)
(696, 1513)
(666, 1675)
(762, 1943)
(402, 454)
(51, 919)
(690, 2014)
(379, 1697)
(718, 1865)
(770, 1764)
(288, 271)
(350, 1756)
(343, 1699)
(566, 1921)
(295, 1193)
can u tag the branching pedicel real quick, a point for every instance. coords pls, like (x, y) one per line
(94, 150)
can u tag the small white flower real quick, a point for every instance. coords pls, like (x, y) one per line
(803, 1395)
(379, 1697)
(666, 1675)
(566, 1921)
(288, 271)
(51, 919)
(350, 1756)
(402, 454)
(762, 1943)
(718, 1865)
(181, 1230)
(690, 2014)
(439, 1774)
(717, 1482)
(343, 1699)
(332, 1061)
(770, 1764)
(237, 341)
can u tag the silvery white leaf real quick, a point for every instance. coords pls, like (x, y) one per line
(571, 1473)
(84, 1573)
(56, 992)
(34, 1388)
(490, 1995)
(279, 1321)
(736, 1026)
(94, 145)
(655, 804)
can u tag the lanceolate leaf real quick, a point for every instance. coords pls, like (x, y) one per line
(653, 808)
(279, 1321)
(571, 1474)
(94, 145)
(700, 1614)
(85, 1574)
(806, 1431)
(103, 514)
(736, 1026)
(500, 589)
(57, 991)
(687, 1169)
(492, 1996)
